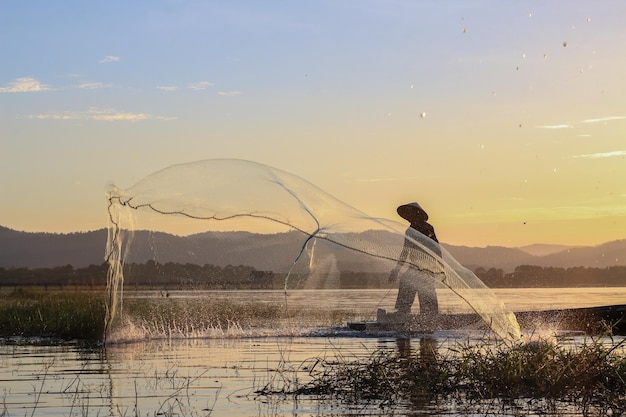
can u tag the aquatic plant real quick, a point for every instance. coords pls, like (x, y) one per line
(80, 315)
(537, 376)
(592, 375)
(168, 318)
(81, 398)
(52, 314)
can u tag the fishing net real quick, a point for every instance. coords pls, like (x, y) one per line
(239, 225)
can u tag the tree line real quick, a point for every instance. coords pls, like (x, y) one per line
(528, 276)
(173, 275)
(151, 274)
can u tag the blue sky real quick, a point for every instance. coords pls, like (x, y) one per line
(505, 120)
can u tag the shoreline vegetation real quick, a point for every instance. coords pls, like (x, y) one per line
(63, 315)
(79, 314)
(539, 375)
(154, 275)
(482, 378)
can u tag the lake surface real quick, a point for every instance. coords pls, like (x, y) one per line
(218, 376)
(367, 301)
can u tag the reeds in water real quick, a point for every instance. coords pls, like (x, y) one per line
(52, 314)
(541, 376)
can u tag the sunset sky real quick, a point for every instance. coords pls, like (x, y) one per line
(505, 120)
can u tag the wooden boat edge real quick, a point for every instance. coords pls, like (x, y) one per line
(610, 319)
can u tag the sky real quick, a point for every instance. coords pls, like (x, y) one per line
(505, 120)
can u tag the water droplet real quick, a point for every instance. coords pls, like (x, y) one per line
(411, 86)
(564, 44)
(545, 56)
(523, 56)
(530, 15)
(588, 19)
(423, 114)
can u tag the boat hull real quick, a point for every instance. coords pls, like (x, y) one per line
(590, 320)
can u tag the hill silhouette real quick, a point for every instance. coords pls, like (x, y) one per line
(81, 249)
(600, 256)
(38, 250)
(539, 249)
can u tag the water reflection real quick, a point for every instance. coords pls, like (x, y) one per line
(217, 377)
(182, 377)
(427, 348)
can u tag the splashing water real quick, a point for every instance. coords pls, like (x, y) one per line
(276, 227)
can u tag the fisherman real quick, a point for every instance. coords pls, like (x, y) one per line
(414, 281)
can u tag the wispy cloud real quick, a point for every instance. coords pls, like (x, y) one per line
(388, 179)
(107, 115)
(24, 85)
(199, 86)
(109, 58)
(555, 127)
(93, 86)
(586, 121)
(229, 93)
(604, 119)
(202, 85)
(602, 155)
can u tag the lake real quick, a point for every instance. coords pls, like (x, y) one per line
(367, 301)
(219, 375)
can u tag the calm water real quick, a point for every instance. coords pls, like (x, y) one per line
(217, 376)
(367, 301)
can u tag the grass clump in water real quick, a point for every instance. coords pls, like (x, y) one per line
(539, 376)
(52, 314)
(187, 315)
(589, 376)
(193, 317)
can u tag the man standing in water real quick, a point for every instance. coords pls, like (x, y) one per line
(415, 281)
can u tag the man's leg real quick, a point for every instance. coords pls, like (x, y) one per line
(427, 297)
(406, 294)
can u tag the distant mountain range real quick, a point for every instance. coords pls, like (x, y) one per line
(600, 256)
(39, 250)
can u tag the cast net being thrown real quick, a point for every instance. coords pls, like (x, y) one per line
(234, 224)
